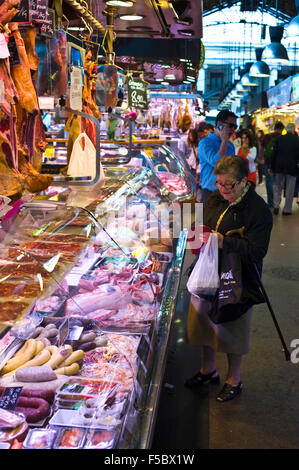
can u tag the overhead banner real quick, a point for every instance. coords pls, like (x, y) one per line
(280, 94)
(295, 88)
(137, 94)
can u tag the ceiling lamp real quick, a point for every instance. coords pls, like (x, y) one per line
(131, 17)
(275, 52)
(293, 28)
(119, 3)
(240, 88)
(259, 69)
(247, 81)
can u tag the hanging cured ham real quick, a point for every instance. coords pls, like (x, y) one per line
(8, 10)
(11, 182)
(40, 142)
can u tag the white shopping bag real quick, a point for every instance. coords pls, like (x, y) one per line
(83, 161)
(204, 278)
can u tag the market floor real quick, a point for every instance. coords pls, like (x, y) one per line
(265, 415)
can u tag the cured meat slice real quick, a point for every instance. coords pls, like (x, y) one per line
(10, 311)
(10, 289)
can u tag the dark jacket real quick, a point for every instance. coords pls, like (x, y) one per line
(285, 155)
(252, 213)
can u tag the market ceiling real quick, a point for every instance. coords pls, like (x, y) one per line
(172, 18)
(284, 10)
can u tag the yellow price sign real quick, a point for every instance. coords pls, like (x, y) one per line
(149, 152)
(49, 152)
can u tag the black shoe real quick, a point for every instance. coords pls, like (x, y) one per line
(287, 213)
(229, 392)
(275, 211)
(202, 379)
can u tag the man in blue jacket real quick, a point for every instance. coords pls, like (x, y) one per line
(214, 146)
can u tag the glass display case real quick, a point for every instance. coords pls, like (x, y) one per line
(96, 290)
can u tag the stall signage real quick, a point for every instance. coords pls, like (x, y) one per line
(137, 94)
(10, 397)
(23, 14)
(47, 26)
(38, 11)
(280, 94)
(295, 86)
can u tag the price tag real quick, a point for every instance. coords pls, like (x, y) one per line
(63, 332)
(14, 58)
(149, 152)
(47, 27)
(137, 94)
(143, 350)
(75, 332)
(10, 397)
(49, 152)
(76, 89)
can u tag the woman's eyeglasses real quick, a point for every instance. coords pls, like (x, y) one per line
(227, 185)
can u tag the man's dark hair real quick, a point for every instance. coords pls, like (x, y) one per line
(278, 126)
(224, 115)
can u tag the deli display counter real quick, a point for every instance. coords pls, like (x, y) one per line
(87, 303)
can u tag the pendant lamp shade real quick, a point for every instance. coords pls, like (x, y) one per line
(275, 52)
(248, 81)
(259, 69)
(293, 28)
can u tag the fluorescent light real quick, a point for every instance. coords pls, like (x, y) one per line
(131, 17)
(119, 3)
(164, 83)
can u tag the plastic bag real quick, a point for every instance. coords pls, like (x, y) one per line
(204, 278)
(83, 162)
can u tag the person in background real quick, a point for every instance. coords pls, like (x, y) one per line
(235, 206)
(188, 147)
(268, 144)
(236, 138)
(247, 150)
(296, 195)
(283, 164)
(209, 127)
(260, 155)
(216, 145)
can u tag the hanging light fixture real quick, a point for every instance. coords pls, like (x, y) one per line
(247, 81)
(275, 52)
(292, 29)
(259, 69)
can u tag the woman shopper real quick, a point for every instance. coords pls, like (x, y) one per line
(236, 207)
(188, 148)
(247, 150)
(260, 155)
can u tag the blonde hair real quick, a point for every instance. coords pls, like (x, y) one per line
(232, 165)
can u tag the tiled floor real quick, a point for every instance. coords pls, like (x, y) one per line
(266, 415)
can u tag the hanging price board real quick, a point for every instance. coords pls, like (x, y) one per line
(137, 94)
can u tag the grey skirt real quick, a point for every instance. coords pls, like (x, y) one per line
(230, 337)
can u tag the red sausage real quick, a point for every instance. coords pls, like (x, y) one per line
(34, 409)
(45, 394)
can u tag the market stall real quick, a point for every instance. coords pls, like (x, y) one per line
(283, 105)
